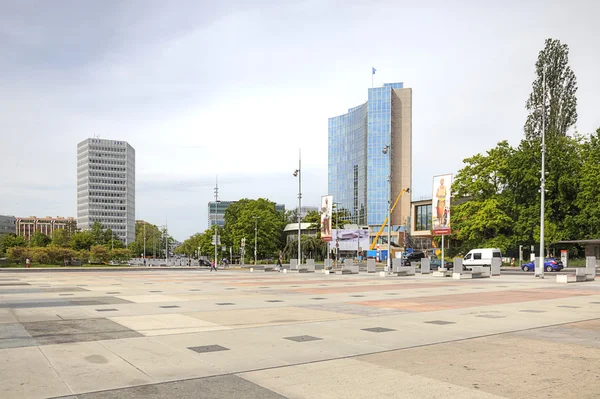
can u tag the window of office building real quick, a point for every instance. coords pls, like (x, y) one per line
(423, 217)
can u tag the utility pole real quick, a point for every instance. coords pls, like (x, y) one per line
(543, 179)
(298, 174)
(386, 149)
(255, 238)
(216, 236)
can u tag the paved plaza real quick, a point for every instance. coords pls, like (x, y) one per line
(236, 334)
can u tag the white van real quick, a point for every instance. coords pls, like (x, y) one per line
(481, 257)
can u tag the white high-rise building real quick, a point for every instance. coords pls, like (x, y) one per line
(106, 186)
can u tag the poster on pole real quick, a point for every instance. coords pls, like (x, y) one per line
(326, 212)
(440, 223)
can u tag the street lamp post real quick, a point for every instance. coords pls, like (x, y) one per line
(255, 238)
(337, 236)
(215, 221)
(386, 149)
(298, 174)
(543, 178)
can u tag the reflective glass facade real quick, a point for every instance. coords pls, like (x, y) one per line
(423, 217)
(347, 143)
(358, 169)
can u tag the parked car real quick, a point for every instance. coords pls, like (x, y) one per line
(204, 262)
(415, 256)
(481, 257)
(550, 265)
(435, 262)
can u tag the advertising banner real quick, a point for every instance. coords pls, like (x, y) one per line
(326, 212)
(350, 239)
(440, 223)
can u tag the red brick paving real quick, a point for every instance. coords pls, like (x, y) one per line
(361, 288)
(459, 301)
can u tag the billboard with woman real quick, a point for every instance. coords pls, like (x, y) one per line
(440, 223)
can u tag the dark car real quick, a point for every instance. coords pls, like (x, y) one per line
(204, 262)
(550, 265)
(435, 263)
(415, 256)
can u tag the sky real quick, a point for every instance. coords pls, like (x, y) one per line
(235, 88)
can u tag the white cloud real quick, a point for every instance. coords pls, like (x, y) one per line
(207, 88)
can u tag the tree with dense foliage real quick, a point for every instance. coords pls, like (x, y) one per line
(553, 96)
(60, 238)
(190, 246)
(99, 254)
(155, 244)
(496, 195)
(240, 223)
(82, 240)
(9, 241)
(39, 240)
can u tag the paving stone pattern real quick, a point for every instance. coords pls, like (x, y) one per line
(249, 335)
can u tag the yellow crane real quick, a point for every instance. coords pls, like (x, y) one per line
(404, 190)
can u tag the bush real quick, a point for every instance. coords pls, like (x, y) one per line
(17, 254)
(99, 254)
(83, 255)
(39, 255)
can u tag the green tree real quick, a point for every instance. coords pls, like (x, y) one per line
(112, 241)
(240, 223)
(60, 238)
(120, 254)
(9, 241)
(82, 240)
(39, 240)
(190, 246)
(483, 212)
(588, 189)
(154, 241)
(556, 98)
(98, 234)
(18, 254)
(99, 254)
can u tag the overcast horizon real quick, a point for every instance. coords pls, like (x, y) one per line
(202, 89)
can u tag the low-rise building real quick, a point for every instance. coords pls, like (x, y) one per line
(26, 227)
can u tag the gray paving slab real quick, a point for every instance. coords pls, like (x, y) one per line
(14, 335)
(228, 386)
(36, 303)
(64, 331)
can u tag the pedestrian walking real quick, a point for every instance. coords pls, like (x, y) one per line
(213, 266)
(279, 265)
(27, 263)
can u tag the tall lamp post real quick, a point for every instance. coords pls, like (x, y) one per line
(386, 149)
(337, 236)
(255, 238)
(298, 174)
(543, 177)
(216, 224)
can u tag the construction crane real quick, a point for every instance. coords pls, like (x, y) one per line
(404, 190)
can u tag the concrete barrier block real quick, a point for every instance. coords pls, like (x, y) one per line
(371, 266)
(425, 266)
(496, 266)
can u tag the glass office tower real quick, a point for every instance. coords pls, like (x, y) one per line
(358, 170)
